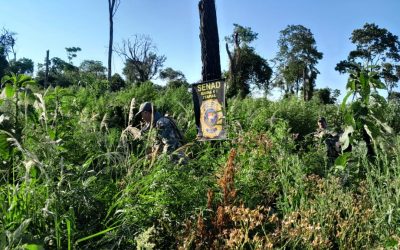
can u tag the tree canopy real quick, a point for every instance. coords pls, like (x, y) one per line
(7, 42)
(376, 47)
(296, 60)
(93, 67)
(21, 66)
(61, 73)
(247, 68)
(3, 62)
(72, 52)
(174, 78)
(142, 62)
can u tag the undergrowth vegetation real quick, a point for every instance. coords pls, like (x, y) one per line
(67, 182)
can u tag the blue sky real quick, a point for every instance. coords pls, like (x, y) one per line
(174, 27)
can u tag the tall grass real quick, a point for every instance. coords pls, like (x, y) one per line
(67, 182)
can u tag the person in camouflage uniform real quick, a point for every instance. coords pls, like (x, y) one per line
(168, 137)
(330, 138)
(322, 129)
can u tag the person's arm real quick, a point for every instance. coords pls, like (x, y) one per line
(166, 135)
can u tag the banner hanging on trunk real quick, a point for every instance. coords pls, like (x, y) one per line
(209, 109)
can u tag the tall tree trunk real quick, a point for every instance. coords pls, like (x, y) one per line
(46, 77)
(112, 9)
(209, 39)
(306, 84)
(210, 57)
(110, 43)
(311, 86)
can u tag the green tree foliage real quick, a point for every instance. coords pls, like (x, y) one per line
(16, 95)
(327, 95)
(117, 82)
(247, 68)
(21, 66)
(94, 68)
(7, 42)
(296, 60)
(174, 78)
(68, 182)
(92, 74)
(363, 117)
(141, 60)
(394, 96)
(3, 62)
(72, 52)
(71, 183)
(375, 46)
(61, 73)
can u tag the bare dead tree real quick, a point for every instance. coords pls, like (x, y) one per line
(141, 60)
(7, 41)
(233, 64)
(46, 76)
(112, 9)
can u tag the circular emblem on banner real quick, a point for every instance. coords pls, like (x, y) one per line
(210, 118)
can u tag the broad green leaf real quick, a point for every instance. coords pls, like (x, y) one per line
(9, 90)
(343, 106)
(384, 125)
(24, 80)
(387, 128)
(88, 181)
(87, 163)
(351, 85)
(359, 109)
(33, 247)
(375, 79)
(339, 167)
(49, 97)
(378, 98)
(349, 119)
(52, 134)
(345, 141)
(363, 79)
(5, 79)
(369, 132)
(345, 137)
(34, 172)
(341, 161)
(4, 147)
(376, 83)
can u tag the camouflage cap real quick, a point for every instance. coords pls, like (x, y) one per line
(146, 106)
